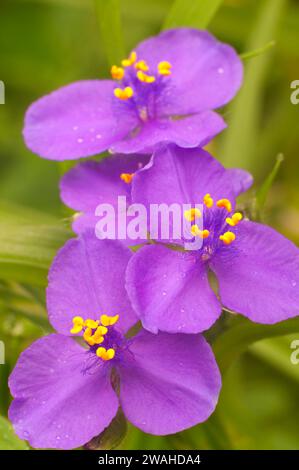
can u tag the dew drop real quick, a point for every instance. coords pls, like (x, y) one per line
(220, 70)
(294, 283)
(98, 136)
(79, 141)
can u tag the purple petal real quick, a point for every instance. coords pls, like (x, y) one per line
(170, 291)
(56, 404)
(259, 276)
(241, 179)
(87, 279)
(92, 183)
(76, 121)
(206, 73)
(191, 131)
(180, 176)
(171, 383)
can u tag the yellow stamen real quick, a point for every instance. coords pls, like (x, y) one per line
(105, 354)
(208, 201)
(91, 324)
(192, 214)
(234, 219)
(78, 324)
(143, 77)
(124, 93)
(130, 60)
(196, 232)
(224, 203)
(127, 177)
(142, 65)
(164, 68)
(88, 336)
(109, 321)
(227, 238)
(117, 72)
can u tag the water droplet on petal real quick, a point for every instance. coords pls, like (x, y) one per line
(220, 70)
(79, 141)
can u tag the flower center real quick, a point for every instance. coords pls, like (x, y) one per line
(219, 222)
(139, 85)
(98, 332)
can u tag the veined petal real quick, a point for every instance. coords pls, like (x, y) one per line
(242, 180)
(170, 291)
(78, 120)
(170, 383)
(57, 404)
(205, 73)
(87, 279)
(259, 274)
(189, 131)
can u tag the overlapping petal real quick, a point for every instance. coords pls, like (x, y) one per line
(206, 73)
(170, 383)
(190, 131)
(170, 291)
(56, 403)
(78, 120)
(259, 276)
(87, 279)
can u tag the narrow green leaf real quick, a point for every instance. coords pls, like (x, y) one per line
(28, 243)
(240, 140)
(8, 439)
(257, 52)
(192, 13)
(262, 193)
(109, 19)
(233, 342)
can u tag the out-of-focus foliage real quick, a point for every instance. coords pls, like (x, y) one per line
(45, 44)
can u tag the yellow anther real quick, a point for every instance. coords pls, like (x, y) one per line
(224, 203)
(164, 68)
(130, 60)
(117, 72)
(227, 238)
(127, 177)
(192, 214)
(91, 324)
(78, 324)
(234, 219)
(142, 65)
(109, 321)
(101, 330)
(208, 201)
(88, 336)
(196, 232)
(105, 354)
(143, 77)
(124, 93)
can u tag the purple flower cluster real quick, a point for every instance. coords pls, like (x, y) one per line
(68, 386)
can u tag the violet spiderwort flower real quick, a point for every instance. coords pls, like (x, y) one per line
(91, 183)
(65, 393)
(257, 268)
(164, 92)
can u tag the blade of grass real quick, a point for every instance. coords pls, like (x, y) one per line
(109, 18)
(192, 13)
(240, 140)
(262, 193)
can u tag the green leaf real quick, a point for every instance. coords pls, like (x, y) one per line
(192, 13)
(240, 140)
(8, 439)
(262, 193)
(28, 243)
(258, 51)
(109, 19)
(235, 340)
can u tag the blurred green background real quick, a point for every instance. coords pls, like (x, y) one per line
(45, 44)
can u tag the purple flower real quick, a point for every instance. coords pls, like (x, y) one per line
(90, 183)
(65, 394)
(164, 92)
(257, 268)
